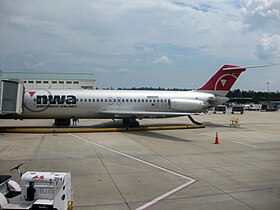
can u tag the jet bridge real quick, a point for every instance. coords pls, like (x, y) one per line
(11, 96)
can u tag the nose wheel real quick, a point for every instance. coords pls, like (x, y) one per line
(130, 122)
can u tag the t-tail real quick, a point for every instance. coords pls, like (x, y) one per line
(222, 81)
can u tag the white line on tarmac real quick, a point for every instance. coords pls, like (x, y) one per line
(248, 145)
(191, 180)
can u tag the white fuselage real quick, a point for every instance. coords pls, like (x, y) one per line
(61, 103)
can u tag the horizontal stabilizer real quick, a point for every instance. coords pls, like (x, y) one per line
(249, 67)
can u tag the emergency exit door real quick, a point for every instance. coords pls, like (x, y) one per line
(11, 96)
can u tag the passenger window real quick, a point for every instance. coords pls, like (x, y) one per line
(85, 100)
(97, 100)
(101, 100)
(93, 100)
(139, 100)
(81, 100)
(146, 100)
(131, 100)
(105, 100)
(135, 100)
(89, 100)
(127, 100)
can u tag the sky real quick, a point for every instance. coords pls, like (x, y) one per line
(143, 43)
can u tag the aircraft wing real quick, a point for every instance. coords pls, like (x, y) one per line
(142, 114)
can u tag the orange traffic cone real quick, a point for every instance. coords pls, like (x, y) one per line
(217, 139)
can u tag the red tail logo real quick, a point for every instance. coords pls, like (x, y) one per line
(222, 80)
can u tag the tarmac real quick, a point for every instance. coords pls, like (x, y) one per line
(158, 169)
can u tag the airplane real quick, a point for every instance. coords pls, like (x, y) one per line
(64, 105)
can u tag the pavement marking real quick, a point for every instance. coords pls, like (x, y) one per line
(248, 145)
(154, 201)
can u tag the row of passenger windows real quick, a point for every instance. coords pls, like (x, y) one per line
(123, 100)
(53, 82)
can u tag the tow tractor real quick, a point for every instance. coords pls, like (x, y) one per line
(37, 190)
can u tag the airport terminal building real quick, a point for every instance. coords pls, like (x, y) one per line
(33, 80)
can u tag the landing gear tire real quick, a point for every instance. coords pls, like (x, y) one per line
(130, 122)
(62, 122)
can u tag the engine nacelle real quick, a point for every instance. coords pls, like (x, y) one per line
(187, 105)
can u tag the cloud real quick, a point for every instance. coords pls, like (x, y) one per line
(262, 14)
(269, 47)
(101, 70)
(34, 67)
(125, 34)
(123, 70)
(147, 49)
(263, 8)
(163, 60)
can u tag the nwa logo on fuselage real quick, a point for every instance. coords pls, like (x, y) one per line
(56, 99)
(39, 101)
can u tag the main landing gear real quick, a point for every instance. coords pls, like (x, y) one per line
(62, 122)
(130, 122)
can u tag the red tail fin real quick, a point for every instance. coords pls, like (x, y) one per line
(221, 82)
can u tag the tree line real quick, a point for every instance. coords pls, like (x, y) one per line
(253, 96)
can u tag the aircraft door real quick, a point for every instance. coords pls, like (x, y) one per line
(11, 96)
